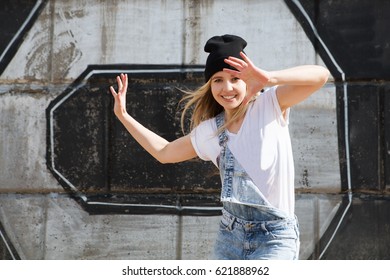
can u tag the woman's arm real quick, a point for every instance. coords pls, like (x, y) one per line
(161, 149)
(294, 84)
(297, 83)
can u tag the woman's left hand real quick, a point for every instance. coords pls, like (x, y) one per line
(254, 77)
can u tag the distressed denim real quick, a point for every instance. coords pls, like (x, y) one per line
(261, 237)
(250, 227)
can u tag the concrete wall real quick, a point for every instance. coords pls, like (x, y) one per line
(39, 218)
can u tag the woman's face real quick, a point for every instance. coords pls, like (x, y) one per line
(229, 91)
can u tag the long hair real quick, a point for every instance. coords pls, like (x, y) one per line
(205, 107)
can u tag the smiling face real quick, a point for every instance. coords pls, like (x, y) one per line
(228, 90)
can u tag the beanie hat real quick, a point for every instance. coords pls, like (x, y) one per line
(221, 47)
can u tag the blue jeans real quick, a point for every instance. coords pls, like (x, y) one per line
(256, 234)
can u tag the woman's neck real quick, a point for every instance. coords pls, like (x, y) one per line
(233, 122)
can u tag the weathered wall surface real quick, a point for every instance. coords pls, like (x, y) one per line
(41, 221)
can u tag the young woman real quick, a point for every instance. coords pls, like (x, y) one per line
(240, 122)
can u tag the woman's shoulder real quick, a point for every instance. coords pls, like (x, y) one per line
(265, 96)
(267, 92)
(205, 141)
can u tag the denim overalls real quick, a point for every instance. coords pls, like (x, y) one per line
(250, 227)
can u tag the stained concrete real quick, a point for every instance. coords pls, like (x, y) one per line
(41, 220)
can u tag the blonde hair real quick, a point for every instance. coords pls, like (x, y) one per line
(204, 107)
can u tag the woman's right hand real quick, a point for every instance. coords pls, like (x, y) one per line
(120, 96)
(254, 77)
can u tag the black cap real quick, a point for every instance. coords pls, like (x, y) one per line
(221, 47)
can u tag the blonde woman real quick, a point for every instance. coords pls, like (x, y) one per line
(240, 122)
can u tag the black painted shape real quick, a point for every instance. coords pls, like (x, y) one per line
(343, 211)
(385, 164)
(364, 233)
(16, 19)
(356, 46)
(368, 136)
(354, 31)
(95, 159)
(7, 250)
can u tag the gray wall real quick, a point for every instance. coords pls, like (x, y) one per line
(43, 222)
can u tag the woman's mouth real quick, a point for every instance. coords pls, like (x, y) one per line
(228, 97)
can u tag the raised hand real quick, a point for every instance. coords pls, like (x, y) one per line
(120, 96)
(254, 77)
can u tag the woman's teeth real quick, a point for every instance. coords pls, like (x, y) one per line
(228, 97)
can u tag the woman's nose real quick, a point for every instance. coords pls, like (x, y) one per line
(227, 86)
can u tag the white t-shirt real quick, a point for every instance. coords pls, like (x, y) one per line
(262, 146)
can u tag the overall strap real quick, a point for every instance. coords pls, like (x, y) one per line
(222, 136)
(226, 167)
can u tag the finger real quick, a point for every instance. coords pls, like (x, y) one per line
(236, 66)
(125, 81)
(232, 72)
(113, 92)
(119, 82)
(243, 55)
(234, 60)
(236, 63)
(246, 58)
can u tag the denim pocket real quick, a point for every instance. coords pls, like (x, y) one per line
(282, 230)
(226, 224)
